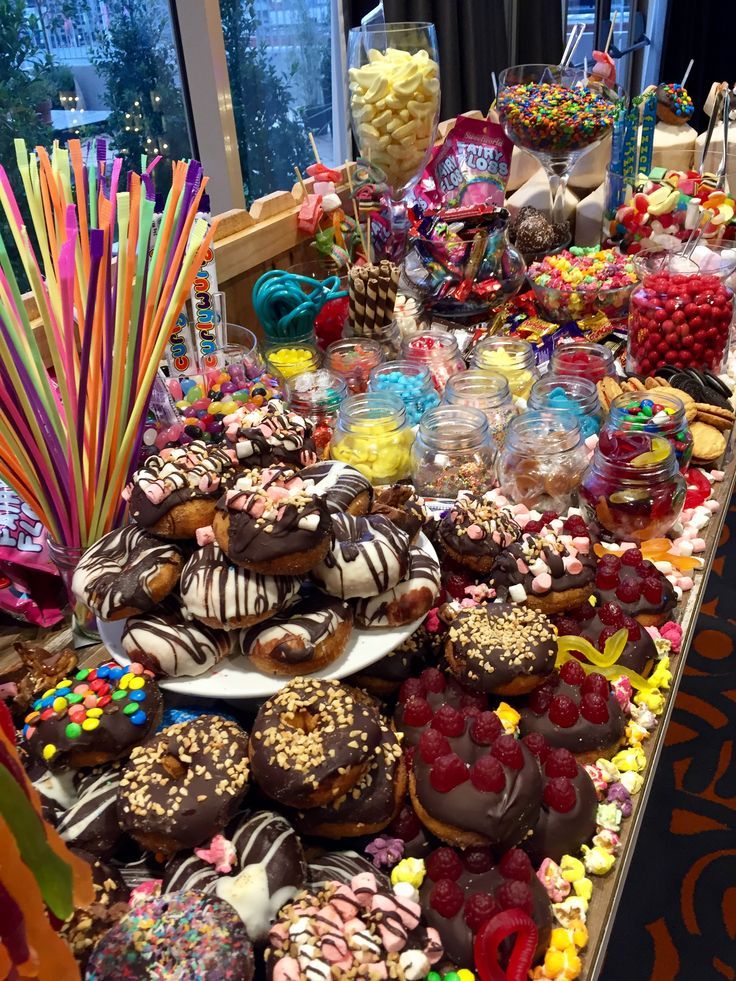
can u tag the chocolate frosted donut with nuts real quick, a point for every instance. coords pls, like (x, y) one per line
(312, 742)
(501, 648)
(127, 571)
(368, 556)
(411, 598)
(474, 531)
(175, 493)
(269, 521)
(343, 487)
(172, 647)
(184, 785)
(270, 436)
(221, 594)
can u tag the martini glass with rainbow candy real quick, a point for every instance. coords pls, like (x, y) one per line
(554, 114)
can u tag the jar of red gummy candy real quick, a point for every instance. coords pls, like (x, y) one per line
(582, 359)
(354, 358)
(663, 416)
(633, 488)
(438, 350)
(316, 395)
(678, 316)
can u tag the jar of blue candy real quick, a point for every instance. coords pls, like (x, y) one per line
(411, 382)
(663, 415)
(567, 393)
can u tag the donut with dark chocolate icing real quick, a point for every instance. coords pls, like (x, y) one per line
(413, 654)
(411, 598)
(221, 594)
(271, 522)
(91, 823)
(598, 624)
(306, 636)
(125, 572)
(474, 531)
(674, 105)
(636, 586)
(343, 487)
(368, 556)
(312, 742)
(175, 493)
(270, 436)
(185, 784)
(501, 648)
(171, 646)
(421, 698)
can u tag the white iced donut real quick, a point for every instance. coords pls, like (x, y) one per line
(410, 599)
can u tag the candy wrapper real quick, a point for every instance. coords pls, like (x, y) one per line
(471, 167)
(30, 586)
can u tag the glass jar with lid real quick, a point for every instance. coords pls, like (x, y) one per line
(438, 350)
(317, 396)
(542, 460)
(583, 359)
(568, 393)
(487, 391)
(511, 357)
(374, 436)
(354, 358)
(411, 381)
(663, 415)
(452, 452)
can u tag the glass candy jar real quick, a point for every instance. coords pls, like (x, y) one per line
(286, 359)
(487, 391)
(438, 350)
(354, 358)
(566, 393)
(411, 381)
(678, 316)
(633, 488)
(662, 416)
(452, 452)
(373, 435)
(542, 460)
(510, 357)
(317, 395)
(583, 359)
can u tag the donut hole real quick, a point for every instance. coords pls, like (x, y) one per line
(175, 767)
(302, 719)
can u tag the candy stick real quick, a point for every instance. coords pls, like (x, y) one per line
(611, 29)
(687, 73)
(315, 151)
(301, 181)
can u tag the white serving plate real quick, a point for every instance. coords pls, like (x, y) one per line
(235, 677)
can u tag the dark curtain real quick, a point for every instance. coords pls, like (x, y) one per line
(539, 33)
(355, 10)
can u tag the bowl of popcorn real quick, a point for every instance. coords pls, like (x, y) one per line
(578, 283)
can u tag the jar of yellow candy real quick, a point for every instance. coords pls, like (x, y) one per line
(286, 360)
(373, 435)
(510, 357)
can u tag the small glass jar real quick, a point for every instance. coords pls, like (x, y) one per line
(374, 436)
(411, 382)
(633, 488)
(354, 358)
(487, 391)
(583, 359)
(542, 460)
(438, 350)
(567, 393)
(662, 416)
(452, 452)
(317, 396)
(66, 558)
(305, 335)
(510, 357)
(286, 359)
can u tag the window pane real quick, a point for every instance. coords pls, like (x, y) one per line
(279, 61)
(582, 12)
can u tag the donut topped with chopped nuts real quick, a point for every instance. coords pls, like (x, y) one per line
(185, 784)
(501, 648)
(474, 531)
(313, 741)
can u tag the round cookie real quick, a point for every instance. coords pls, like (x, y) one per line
(343, 487)
(97, 716)
(501, 648)
(474, 531)
(175, 493)
(269, 436)
(411, 598)
(91, 823)
(307, 636)
(267, 871)
(269, 521)
(368, 555)
(312, 742)
(185, 784)
(215, 591)
(177, 937)
(127, 571)
(172, 647)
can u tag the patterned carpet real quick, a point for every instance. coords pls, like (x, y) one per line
(677, 918)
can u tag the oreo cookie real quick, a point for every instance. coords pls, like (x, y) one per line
(717, 384)
(690, 384)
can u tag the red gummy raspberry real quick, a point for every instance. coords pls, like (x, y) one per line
(628, 591)
(563, 712)
(572, 673)
(469, 711)
(606, 579)
(595, 684)
(533, 527)
(514, 895)
(559, 794)
(560, 763)
(478, 860)
(548, 516)
(433, 744)
(417, 711)
(632, 557)
(433, 680)
(516, 865)
(539, 700)
(568, 627)
(584, 612)
(456, 583)
(446, 898)
(474, 699)
(610, 561)
(594, 709)
(536, 744)
(485, 728)
(479, 907)
(449, 721)
(447, 772)
(575, 526)
(634, 629)
(487, 775)
(652, 589)
(610, 614)
(406, 825)
(508, 751)
(605, 635)
(444, 863)
(411, 688)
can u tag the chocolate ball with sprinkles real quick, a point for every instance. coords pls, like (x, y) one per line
(674, 105)
(94, 716)
(501, 648)
(474, 531)
(184, 936)
(185, 784)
